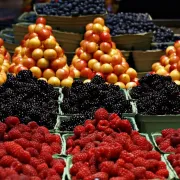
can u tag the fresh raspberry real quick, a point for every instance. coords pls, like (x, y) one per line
(139, 172)
(115, 123)
(106, 166)
(56, 148)
(36, 145)
(23, 128)
(47, 157)
(112, 116)
(83, 172)
(161, 165)
(101, 114)
(153, 155)
(128, 166)
(125, 126)
(79, 157)
(33, 152)
(34, 162)
(140, 162)
(26, 135)
(130, 147)
(35, 178)
(38, 137)
(101, 176)
(171, 157)
(150, 175)
(171, 149)
(17, 151)
(166, 132)
(118, 178)
(42, 130)
(120, 162)
(29, 170)
(2, 153)
(69, 142)
(33, 125)
(2, 173)
(12, 121)
(90, 128)
(59, 167)
(6, 161)
(103, 125)
(51, 172)
(41, 167)
(14, 134)
(177, 169)
(159, 140)
(152, 165)
(163, 173)
(46, 148)
(128, 157)
(109, 131)
(75, 168)
(165, 144)
(58, 161)
(126, 173)
(23, 142)
(78, 130)
(54, 177)
(50, 138)
(76, 150)
(17, 166)
(43, 174)
(139, 153)
(3, 128)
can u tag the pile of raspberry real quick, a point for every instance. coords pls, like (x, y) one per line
(106, 148)
(174, 160)
(26, 152)
(167, 143)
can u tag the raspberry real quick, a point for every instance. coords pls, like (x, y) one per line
(76, 150)
(56, 148)
(177, 169)
(33, 152)
(170, 149)
(59, 167)
(12, 121)
(152, 165)
(23, 142)
(126, 173)
(6, 161)
(23, 128)
(118, 178)
(128, 166)
(36, 145)
(106, 166)
(112, 116)
(3, 128)
(75, 168)
(103, 125)
(29, 170)
(140, 162)
(171, 157)
(161, 165)
(90, 128)
(17, 166)
(56, 161)
(125, 126)
(41, 167)
(26, 135)
(51, 172)
(159, 140)
(83, 172)
(50, 138)
(150, 175)
(33, 125)
(120, 162)
(101, 114)
(153, 155)
(38, 137)
(109, 131)
(2, 153)
(115, 123)
(46, 148)
(17, 151)
(34, 162)
(42, 130)
(79, 157)
(163, 173)
(166, 132)
(55, 177)
(139, 153)
(69, 142)
(47, 157)
(35, 178)
(14, 134)
(165, 144)
(78, 130)
(101, 176)
(139, 172)
(128, 157)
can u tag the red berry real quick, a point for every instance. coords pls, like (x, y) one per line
(139, 172)
(33, 152)
(163, 173)
(102, 125)
(12, 121)
(6, 161)
(59, 167)
(79, 157)
(41, 167)
(29, 170)
(23, 142)
(101, 114)
(78, 130)
(166, 132)
(153, 155)
(33, 125)
(101, 176)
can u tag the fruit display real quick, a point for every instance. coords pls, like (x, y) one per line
(157, 95)
(135, 23)
(97, 54)
(4, 62)
(107, 148)
(26, 151)
(40, 52)
(29, 99)
(169, 63)
(72, 8)
(86, 98)
(169, 141)
(174, 160)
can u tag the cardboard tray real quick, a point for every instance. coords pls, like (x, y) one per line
(22, 17)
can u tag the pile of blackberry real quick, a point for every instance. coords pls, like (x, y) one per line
(29, 99)
(135, 23)
(157, 95)
(86, 98)
(72, 7)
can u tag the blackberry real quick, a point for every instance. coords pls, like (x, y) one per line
(65, 91)
(24, 75)
(77, 83)
(98, 80)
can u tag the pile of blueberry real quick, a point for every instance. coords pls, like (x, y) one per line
(87, 98)
(29, 99)
(72, 7)
(157, 95)
(158, 46)
(30, 17)
(135, 23)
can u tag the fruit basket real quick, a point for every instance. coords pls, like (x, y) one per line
(133, 41)
(171, 172)
(143, 60)
(170, 166)
(28, 17)
(66, 119)
(65, 136)
(68, 23)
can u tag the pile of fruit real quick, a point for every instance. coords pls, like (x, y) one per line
(106, 148)
(72, 8)
(169, 141)
(40, 52)
(157, 95)
(170, 63)
(135, 23)
(26, 151)
(4, 62)
(86, 98)
(97, 54)
(174, 160)
(29, 99)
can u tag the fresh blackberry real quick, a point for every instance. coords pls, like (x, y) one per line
(24, 75)
(54, 94)
(97, 80)
(65, 91)
(77, 83)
